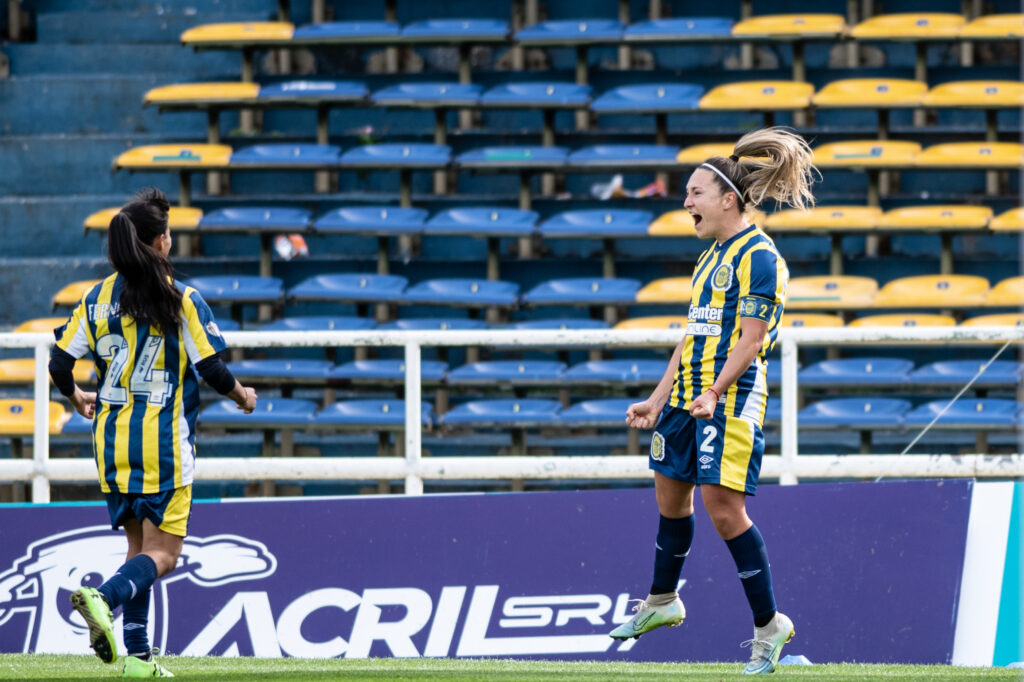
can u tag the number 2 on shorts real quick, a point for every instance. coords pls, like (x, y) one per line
(711, 432)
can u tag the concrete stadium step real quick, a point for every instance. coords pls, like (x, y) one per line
(172, 63)
(145, 25)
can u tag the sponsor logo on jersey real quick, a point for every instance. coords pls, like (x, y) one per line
(703, 329)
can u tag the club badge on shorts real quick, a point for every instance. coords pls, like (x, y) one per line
(657, 447)
(722, 279)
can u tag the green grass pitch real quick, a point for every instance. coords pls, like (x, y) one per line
(47, 666)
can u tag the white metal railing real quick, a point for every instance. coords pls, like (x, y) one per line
(787, 466)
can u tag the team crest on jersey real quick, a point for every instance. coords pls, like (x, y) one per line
(212, 327)
(657, 447)
(722, 279)
(748, 307)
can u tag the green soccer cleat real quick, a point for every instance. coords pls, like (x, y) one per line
(136, 667)
(94, 609)
(649, 617)
(766, 645)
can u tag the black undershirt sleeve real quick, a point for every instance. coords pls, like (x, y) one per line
(61, 366)
(215, 373)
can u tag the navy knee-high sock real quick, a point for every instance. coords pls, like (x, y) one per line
(136, 624)
(670, 550)
(134, 577)
(751, 557)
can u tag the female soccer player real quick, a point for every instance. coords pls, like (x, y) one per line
(708, 407)
(148, 336)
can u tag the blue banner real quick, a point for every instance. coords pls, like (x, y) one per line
(867, 571)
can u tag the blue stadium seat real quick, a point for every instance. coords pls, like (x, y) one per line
(375, 413)
(456, 30)
(683, 29)
(256, 219)
(571, 32)
(977, 413)
(483, 221)
(238, 288)
(347, 31)
(320, 323)
(228, 325)
(76, 425)
(858, 413)
(499, 413)
(350, 287)
(583, 291)
(315, 91)
(380, 220)
(507, 372)
(270, 413)
(616, 372)
(495, 158)
(619, 157)
(856, 372)
(649, 99)
(537, 96)
(773, 411)
(387, 370)
(290, 155)
(290, 370)
(428, 95)
(434, 323)
(1004, 373)
(598, 224)
(462, 292)
(775, 372)
(397, 155)
(561, 323)
(603, 412)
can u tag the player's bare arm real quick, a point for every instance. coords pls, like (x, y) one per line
(752, 331)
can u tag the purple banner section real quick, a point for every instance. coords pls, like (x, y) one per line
(867, 571)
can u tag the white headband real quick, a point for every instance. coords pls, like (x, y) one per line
(739, 194)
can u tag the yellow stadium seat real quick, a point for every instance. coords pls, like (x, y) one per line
(22, 371)
(866, 154)
(982, 155)
(910, 26)
(698, 154)
(240, 33)
(811, 320)
(183, 218)
(838, 292)
(790, 26)
(826, 218)
(71, 294)
(976, 94)
(758, 96)
(904, 320)
(672, 224)
(654, 322)
(1008, 221)
(1008, 292)
(933, 291)
(17, 417)
(936, 218)
(870, 92)
(202, 93)
(666, 290)
(41, 324)
(998, 320)
(175, 156)
(995, 26)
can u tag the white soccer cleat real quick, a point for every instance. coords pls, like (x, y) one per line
(649, 617)
(766, 645)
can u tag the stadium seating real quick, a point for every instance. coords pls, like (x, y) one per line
(763, 96)
(615, 372)
(262, 221)
(508, 372)
(378, 372)
(71, 294)
(656, 322)
(856, 372)
(1010, 221)
(1007, 293)
(378, 414)
(179, 219)
(903, 320)
(1000, 373)
(380, 221)
(17, 417)
(882, 94)
(933, 291)
(980, 413)
(811, 320)
(666, 290)
(22, 371)
(831, 293)
(863, 414)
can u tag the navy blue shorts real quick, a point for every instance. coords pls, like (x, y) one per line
(723, 450)
(169, 510)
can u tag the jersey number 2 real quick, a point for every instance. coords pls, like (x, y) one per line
(710, 432)
(144, 380)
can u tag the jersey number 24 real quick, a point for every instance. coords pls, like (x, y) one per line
(144, 380)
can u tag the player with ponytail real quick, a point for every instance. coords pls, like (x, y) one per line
(709, 406)
(149, 336)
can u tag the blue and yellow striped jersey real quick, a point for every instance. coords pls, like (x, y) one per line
(743, 277)
(144, 431)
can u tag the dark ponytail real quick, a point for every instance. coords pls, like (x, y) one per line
(149, 295)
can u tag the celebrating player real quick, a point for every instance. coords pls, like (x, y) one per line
(708, 407)
(148, 336)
